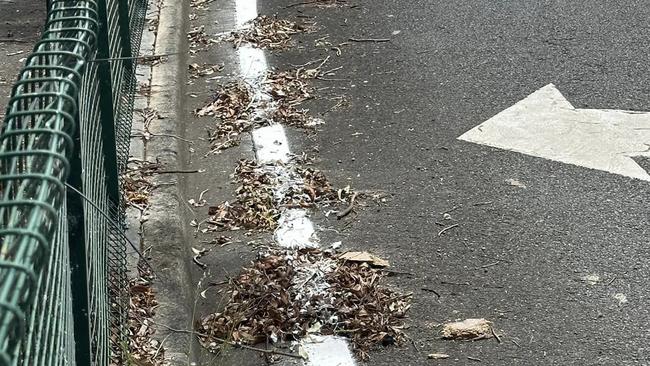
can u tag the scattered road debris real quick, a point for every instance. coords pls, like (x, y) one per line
(372, 40)
(592, 279)
(515, 183)
(199, 40)
(622, 299)
(349, 209)
(364, 257)
(197, 71)
(285, 295)
(259, 201)
(143, 349)
(268, 33)
(468, 329)
(239, 108)
(319, 3)
(135, 185)
(447, 229)
(198, 253)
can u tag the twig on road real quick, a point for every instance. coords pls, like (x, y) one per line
(431, 290)
(494, 333)
(373, 40)
(13, 40)
(347, 211)
(483, 203)
(234, 344)
(446, 229)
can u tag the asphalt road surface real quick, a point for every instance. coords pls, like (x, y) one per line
(554, 254)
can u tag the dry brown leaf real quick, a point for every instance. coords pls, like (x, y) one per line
(472, 329)
(364, 257)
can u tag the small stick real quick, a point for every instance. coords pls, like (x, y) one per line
(374, 40)
(12, 40)
(483, 203)
(611, 281)
(347, 211)
(431, 290)
(397, 272)
(299, 4)
(494, 333)
(177, 171)
(474, 359)
(516, 343)
(415, 345)
(447, 228)
(195, 259)
(490, 265)
(234, 344)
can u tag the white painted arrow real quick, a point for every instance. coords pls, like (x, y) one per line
(546, 125)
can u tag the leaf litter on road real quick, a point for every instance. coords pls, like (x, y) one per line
(259, 202)
(198, 71)
(143, 349)
(268, 33)
(135, 185)
(284, 295)
(238, 108)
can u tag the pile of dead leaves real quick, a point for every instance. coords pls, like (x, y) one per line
(368, 313)
(291, 85)
(254, 207)
(289, 89)
(314, 188)
(284, 296)
(135, 185)
(267, 32)
(257, 205)
(143, 349)
(232, 106)
(232, 101)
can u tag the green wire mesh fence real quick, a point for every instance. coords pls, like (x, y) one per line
(63, 146)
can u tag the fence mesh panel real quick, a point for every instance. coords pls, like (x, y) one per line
(63, 283)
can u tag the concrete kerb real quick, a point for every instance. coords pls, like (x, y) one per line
(163, 230)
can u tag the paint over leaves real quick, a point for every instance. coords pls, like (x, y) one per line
(266, 190)
(268, 301)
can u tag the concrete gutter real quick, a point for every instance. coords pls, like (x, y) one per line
(163, 230)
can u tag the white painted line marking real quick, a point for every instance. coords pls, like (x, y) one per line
(245, 11)
(546, 125)
(252, 63)
(295, 230)
(271, 145)
(327, 351)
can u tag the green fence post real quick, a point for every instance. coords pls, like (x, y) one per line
(125, 34)
(77, 244)
(106, 112)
